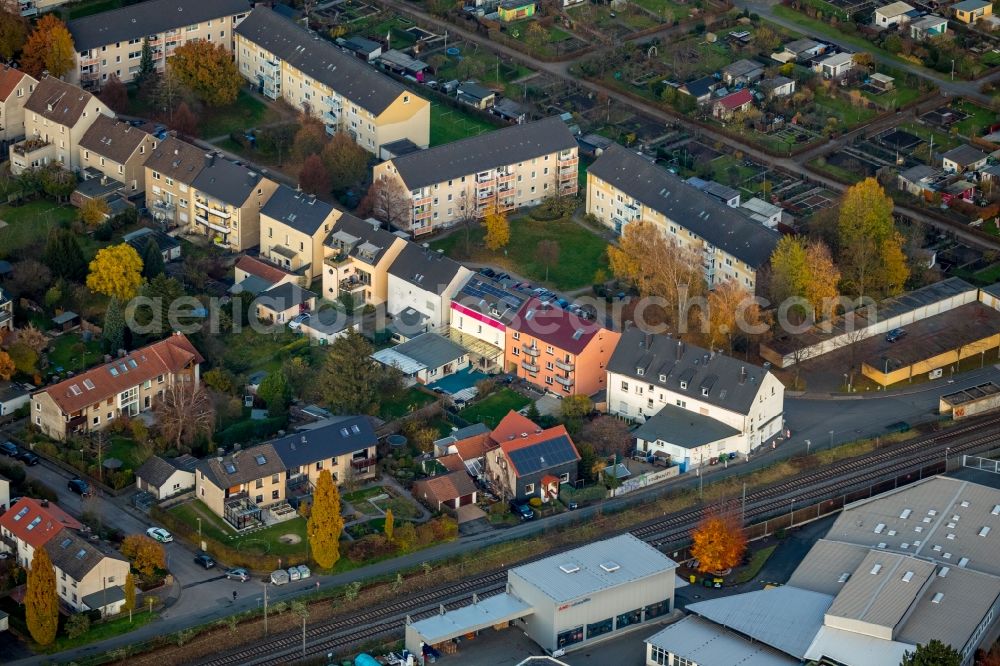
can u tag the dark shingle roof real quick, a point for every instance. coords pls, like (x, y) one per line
(155, 471)
(321, 60)
(732, 384)
(363, 240)
(284, 296)
(683, 427)
(965, 154)
(335, 437)
(113, 139)
(74, 555)
(243, 466)
(147, 18)
(431, 271)
(58, 101)
(178, 160)
(300, 211)
(665, 192)
(509, 145)
(227, 181)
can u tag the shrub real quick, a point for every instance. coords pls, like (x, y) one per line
(369, 547)
(37, 489)
(15, 473)
(536, 502)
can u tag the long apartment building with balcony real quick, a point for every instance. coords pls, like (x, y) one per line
(513, 167)
(56, 117)
(623, 187)
(15, 88)
(226, 200)
(358, 254)
(557, 351)
(29, 8)
(110, 43)
(293, 226)
(120, 388)
(312, 74)
(170, 170)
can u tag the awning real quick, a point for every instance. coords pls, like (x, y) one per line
(486, 613)
(475, 346)
(392, 358)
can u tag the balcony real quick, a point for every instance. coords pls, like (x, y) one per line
(565, 381)
(485, 178)
(338, 260)
(218, 212)
(530, 351)
(331, 102)
(211, 225)
(162, 208)
(363, 463)
(506, 178)
(421, 200)
(568, 366)
(76, 422)
(507, 204)
(29, 146)
(485, 195)
(569, 187)
(330, 118)
(28, 8)
(424, 214)
(530, 367)
(352, 286)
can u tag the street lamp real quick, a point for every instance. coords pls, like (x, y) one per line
(952, 69)
(808, 443)
(831, 439)
(947, 450)
(791, 514)
(199, 527)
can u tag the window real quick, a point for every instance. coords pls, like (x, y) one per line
(258, 484)
(274, 494)
(319, 465)
(600, 628)
(625, 386)
(274, 479)
(656, 610)
(529, 488)
(569, 637)
(517, 336)
(259, 499)
(97, 420)
(564, 477)
(628, 619)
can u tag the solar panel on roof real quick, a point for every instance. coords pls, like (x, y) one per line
(543, 455)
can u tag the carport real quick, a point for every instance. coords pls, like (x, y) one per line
(439, 631)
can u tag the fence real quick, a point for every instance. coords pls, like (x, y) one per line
(645, 479)
(982, 464)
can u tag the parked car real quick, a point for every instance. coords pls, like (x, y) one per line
(293, 574)
(522, 510)
(239, 574)
(159, 534)
(573, 506)
(297, 321)
(27, 457)
(895, 334)
(488, 272)
(80, 487)
(205, 561)
(9, 449)
(304, 571)
(279, 577)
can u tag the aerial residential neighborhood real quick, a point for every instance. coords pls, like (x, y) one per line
(500, 333)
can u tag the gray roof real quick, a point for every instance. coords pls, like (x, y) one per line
(827, 566)
(463, 433)
(490, 298)
(636, 560)
(510, 145)
(918, 173)
(474, 89)
(700, 87)
(964, 155)
(147, 18)
(285, 295)
(227, 181)
(881, 590)
(682, 427)
(703, 642)
(251, 284)
(362, 44)
(338, 436)
(431, 271)
(399, 147)
(801, 45)
(776, 82)
(155, 471)
(75, 555)
(109, 596)
(430, 350)
(688, 207)
(969, 5)
(113, 139)
(300, 211)
(242, 466)
(319, 59)
(786, 618)
(139, 238)
(365, 241)
(665, 361)
(742, 67)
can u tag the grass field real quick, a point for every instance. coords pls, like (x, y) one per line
(265, 541)
(412, 399)
(942, 140)
(63, 353)
(581, 252)
(88, 8)
(30, 223)
(246, 112)
(837, 172)
(665, 9)
(494, 407)
(449, 125)
(980, 118)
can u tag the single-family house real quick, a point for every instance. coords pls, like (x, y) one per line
(557, 351)
(450, 490)
(283, 302)
(31, 523)
(726, 107)
(533, 464)
(801, 50)
(970, 11)
(425, 358)
(6, 311)
(13, 396)
(4, 494)
(515, 10)
(166, 477)
(293, 226)
(701, 89)
(963, 158)
(15, 88)
(469, 445)
(918, 179)
(742, 72)
(928, 26)
(122, 387)
(835, 66)
(117, 150)
(357, 257)
(227, 199)
(779, 86)
(475, 95)
(327, 324)
(894, 13)
(424, 281)
(89, 577)
(253, 276)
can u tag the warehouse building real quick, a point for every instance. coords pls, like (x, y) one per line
(566, 601)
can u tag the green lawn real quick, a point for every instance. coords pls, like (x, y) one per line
(988, 275)
(249, 351)
(486, 68)
(212, 526)
(849, 115)
(64, 353)
(943, 141)
(124, 449)
(360, 496)
(666, 9)
(411, 400)
(980, 118)
(581, 252)
(757, 561)
(246, 112)
(837, 172)
(30, 223)
(491, 409)
(448, 124)
(262, 542)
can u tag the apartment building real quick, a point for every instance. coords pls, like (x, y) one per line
(422, 283)
(15, 88)
(6, 312)
(56, 116)
(513, 167)
(312, 74)
(557, 351)
(696, 404)
(170, 171)
(358, 255)
(124, 387)
(480, 313)
(293, 227)
(111, 42)
(118, 151)
(256, 484)
(623, 187)
(227, 199)
(29, 8)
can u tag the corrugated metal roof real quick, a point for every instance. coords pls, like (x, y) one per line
(493, 610)
(703, 642)
(848, 647)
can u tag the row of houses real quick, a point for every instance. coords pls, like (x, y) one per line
(901, 15)
(962, 172)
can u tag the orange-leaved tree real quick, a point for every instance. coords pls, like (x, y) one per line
(207, 69)
(41, 605)
(718, 542)
(49, 48)
(145, 554)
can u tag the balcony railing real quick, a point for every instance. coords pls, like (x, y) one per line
(565, 381)
(530, 351)
(337, 260)
(212, 209)
(363, 463)
(530, 367)
(422, 214)
(211, 225)
(485, 178)
(421, 200)
(565, 365)
(331, 102)
(29, 146)
(330, 117)
(352, 286)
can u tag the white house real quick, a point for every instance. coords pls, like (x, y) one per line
(895, 13)
(166, 477)
(760, 211)
(425, 358)
(717, 404)
(963, 158)
(424, 281)
(4, 493)
(480, 313)
(928, 26)
(835, 66)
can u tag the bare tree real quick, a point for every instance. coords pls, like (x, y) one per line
(388, 202)
(547, 253)
(183, 413)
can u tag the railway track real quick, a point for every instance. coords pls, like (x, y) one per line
(891, 463)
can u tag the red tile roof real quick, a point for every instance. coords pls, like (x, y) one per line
(35, 524)
(554, 326)
(452, 462)
(9, 78)
(737, 99)
(167, 356)
(444, 488)
(264, 271)
(511, 426)
(473, 447)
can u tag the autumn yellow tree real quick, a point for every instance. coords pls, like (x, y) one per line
(116, 271)
(804, 270)
(718, 543)
(41, 605)
(129, 592)
(732, 310)
(497, 229)
(207, 69)
(7, 367)
(49, 48)
(871, 256)
(94, 211)
(325, 522)
(658, 267)
(145, 554)
(390, 524)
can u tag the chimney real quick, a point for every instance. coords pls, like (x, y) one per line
(44, 503)
(680, 349)
(743, 373)
(209, 159)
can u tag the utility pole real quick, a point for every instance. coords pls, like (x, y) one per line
(743, 510)
(265, 609)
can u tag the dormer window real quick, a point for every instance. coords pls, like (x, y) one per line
(663, 378)
(684, 385)
(640, 372)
